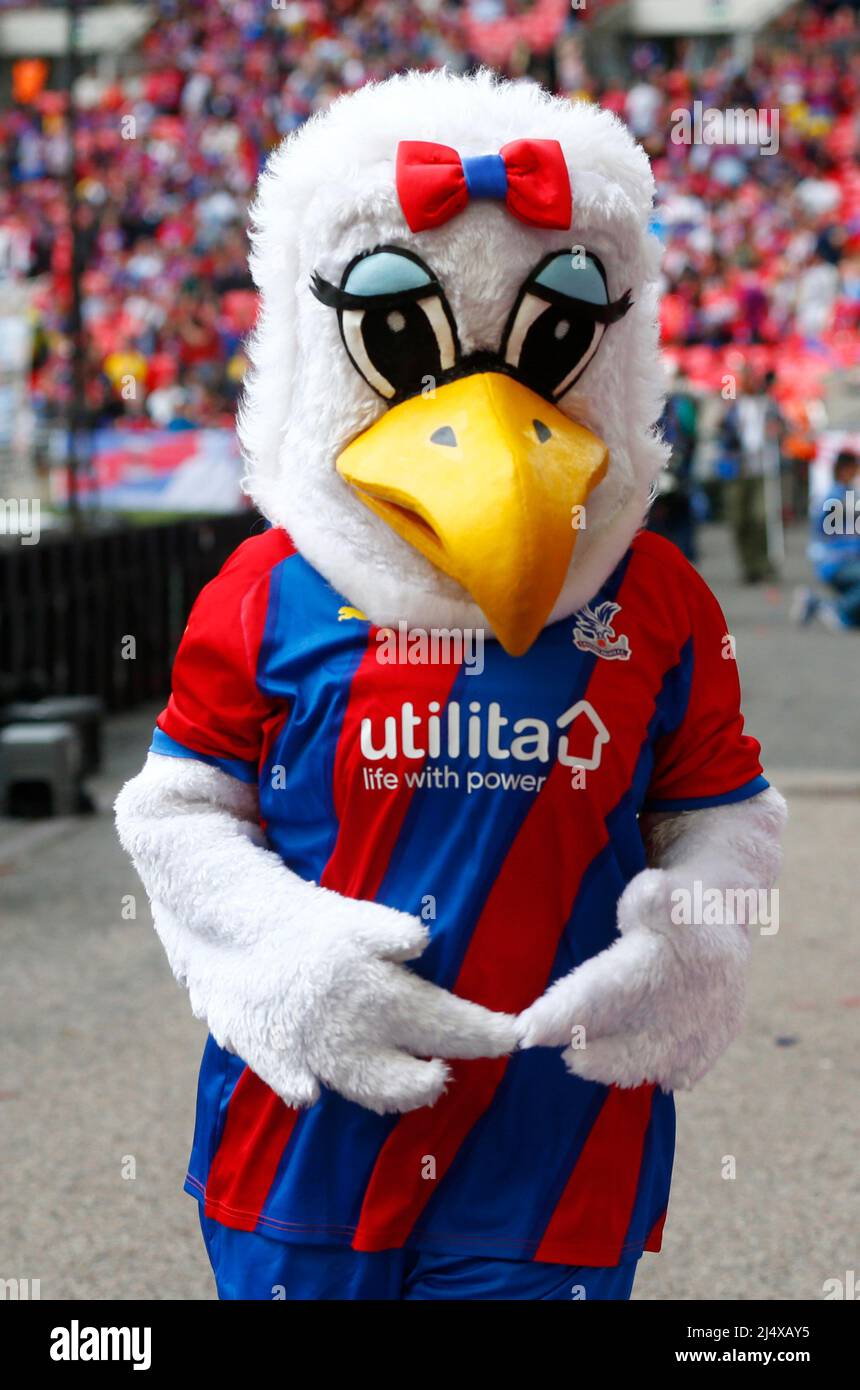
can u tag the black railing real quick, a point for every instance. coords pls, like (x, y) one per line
(74, 608)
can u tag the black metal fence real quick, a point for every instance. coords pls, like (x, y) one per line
(70, 604)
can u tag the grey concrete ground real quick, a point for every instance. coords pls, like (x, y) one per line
(99, 1052)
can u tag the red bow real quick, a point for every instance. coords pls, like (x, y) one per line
(530, 176)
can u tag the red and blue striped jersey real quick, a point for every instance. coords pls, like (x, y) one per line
(500, 804)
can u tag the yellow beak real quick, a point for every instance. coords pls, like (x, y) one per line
(488, 481)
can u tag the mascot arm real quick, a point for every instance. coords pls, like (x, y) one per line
(663, 1002)
(305, 985)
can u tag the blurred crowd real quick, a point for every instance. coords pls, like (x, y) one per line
(762, 242)
(166, 159)
(762, 250)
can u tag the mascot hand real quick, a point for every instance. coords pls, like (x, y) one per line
(331, 1002)
(659, 1005)
(306, 986)
(664, 1001)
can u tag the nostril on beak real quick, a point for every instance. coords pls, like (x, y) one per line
(542, 431)
(444, 435)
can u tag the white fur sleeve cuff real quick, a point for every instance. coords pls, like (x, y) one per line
(305, 985)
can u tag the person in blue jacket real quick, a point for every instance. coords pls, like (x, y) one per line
(834, 550)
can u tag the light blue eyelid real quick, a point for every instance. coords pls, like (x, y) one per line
(578, 278)
(385, 273)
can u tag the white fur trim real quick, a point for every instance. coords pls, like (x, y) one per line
(328, 193)
(304, 985)
(664, 1001)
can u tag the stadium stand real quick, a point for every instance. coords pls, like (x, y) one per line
(762, 251)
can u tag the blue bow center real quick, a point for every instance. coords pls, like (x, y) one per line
(486, 176)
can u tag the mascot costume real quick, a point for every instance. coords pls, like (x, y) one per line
(453, 740)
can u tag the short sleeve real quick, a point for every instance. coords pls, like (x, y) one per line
(216, 712)
(707, 759)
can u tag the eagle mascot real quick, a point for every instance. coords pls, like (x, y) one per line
(454, 746)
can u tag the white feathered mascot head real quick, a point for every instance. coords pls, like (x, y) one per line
(455, 379)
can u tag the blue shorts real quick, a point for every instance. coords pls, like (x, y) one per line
(251, 1266)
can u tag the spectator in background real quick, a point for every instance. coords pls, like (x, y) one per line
(672, 514)
(835, 551)
(750, 437)
(642, 108)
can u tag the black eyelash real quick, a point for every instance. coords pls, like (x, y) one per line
(335, 298)
(601, 313)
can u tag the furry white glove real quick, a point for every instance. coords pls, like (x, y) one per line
(306, 986)
(663, 1002)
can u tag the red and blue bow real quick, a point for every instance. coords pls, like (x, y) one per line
(529, 176)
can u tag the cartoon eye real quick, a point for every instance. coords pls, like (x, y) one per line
(558, 321)
(394, 319)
